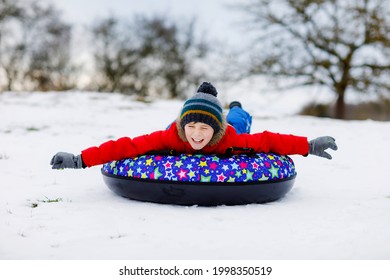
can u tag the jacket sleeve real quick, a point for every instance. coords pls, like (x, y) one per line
(125, 147)
(283, 144)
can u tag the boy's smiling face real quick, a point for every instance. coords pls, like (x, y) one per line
(198, 134)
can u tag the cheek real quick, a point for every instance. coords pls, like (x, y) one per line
(210, 135)
(187, 134)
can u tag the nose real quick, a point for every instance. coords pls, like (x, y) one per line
(197, 132)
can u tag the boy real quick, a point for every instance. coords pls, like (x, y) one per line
(200, 128)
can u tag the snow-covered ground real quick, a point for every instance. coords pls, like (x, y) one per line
(338, 209)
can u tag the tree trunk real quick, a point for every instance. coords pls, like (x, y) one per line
(340, 104)
(9, 82)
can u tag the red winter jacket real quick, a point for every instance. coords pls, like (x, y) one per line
(170, 140)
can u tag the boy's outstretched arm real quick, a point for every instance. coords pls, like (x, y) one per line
(319, 145)
(121, 148)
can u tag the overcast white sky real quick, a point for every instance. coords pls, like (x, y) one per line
(211, 15)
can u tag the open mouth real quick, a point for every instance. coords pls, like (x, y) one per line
(197, 141)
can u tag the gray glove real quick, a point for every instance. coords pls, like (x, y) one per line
(63, 160)
(319, 145)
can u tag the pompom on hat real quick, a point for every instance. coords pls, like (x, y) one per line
(203, 107)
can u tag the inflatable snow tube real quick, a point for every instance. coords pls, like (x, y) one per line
(205, 180)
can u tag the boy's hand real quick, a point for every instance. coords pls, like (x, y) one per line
(319, 145)
(63, 160)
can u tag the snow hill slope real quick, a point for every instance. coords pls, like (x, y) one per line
(338, 209)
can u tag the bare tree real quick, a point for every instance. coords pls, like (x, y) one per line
(146, 56)
(9, 8)
(117, 56)
(10, 11)
(343, 45)
(34, 46)
(172, 50)
(49, 39)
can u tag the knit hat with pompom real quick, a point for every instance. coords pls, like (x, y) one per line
(203, 107)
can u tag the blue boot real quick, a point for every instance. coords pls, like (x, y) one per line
(239, 118)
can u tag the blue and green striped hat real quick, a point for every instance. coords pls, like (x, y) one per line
(203, 107)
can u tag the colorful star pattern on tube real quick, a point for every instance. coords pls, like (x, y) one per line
(204, 168)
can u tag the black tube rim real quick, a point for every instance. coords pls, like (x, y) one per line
(198, 193)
